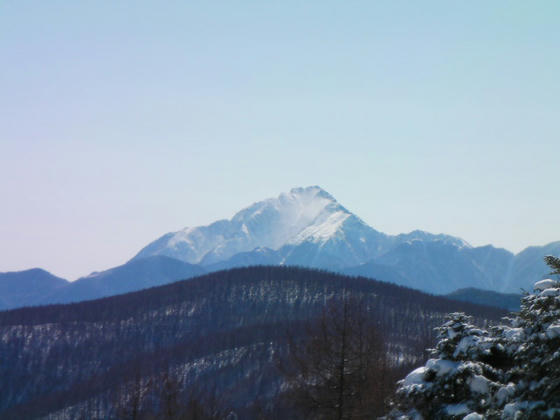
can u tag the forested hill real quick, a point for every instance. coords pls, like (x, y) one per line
(222, 331)
(509, 301)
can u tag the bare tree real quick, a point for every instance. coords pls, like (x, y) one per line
(170, 398)
(133, 396)
(339, 370)
(202, 405)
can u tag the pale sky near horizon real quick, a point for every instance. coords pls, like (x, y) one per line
(121, 121)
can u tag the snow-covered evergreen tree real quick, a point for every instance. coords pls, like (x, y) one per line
(455, 383)
(534, 344)
(511, 372)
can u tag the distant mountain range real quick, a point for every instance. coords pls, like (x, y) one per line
(135, 275)
(24, 288)
(304, 227)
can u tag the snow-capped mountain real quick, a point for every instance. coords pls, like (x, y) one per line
(308, 227)
(305, 225)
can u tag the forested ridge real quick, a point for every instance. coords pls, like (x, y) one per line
(220, 332)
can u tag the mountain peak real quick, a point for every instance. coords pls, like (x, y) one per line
(313, 190)
(304, 214)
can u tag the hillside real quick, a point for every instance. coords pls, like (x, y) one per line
(132, 276)
(220, 331)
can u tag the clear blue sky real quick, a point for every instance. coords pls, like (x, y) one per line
(123, 120)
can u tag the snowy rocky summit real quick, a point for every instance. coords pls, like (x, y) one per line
(302, 216)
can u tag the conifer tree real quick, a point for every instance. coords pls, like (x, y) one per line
(511, 372)
(534, 343)
(456, 382)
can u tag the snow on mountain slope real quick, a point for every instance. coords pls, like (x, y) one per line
(420, 235)
(529, 265)
(302, 216)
